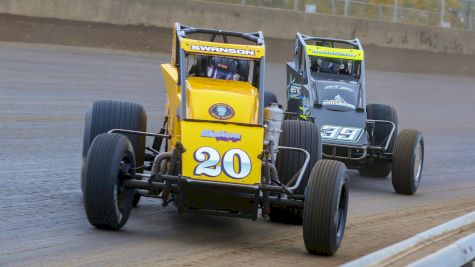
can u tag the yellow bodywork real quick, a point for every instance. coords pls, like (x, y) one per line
(202, 94)
(330, 52)
(244, 149)
(170, 75)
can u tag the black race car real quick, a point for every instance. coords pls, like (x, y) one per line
(326, 85)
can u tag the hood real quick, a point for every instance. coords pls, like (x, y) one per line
(222, 100)
(338, 95)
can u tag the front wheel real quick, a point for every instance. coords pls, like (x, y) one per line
(408, 160)
(325, 207)
(109, 162)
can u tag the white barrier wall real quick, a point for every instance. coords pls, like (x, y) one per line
(273, 22)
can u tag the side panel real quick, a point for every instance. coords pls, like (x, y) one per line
(222, 152)
(170, 75)
(298, 97)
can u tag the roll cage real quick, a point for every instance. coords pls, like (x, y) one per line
(183, 45)
(302, 61)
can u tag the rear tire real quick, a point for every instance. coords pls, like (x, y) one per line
(301, 134)
(105, 115)
(408, 161)
(325, 207)
(109, 162)
(380, 167)
(269, 97)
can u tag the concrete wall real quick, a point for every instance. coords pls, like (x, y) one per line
(279, 24)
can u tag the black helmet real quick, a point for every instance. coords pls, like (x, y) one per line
(222, 68)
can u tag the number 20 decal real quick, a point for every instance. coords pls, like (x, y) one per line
(348, 134)
(209, 159)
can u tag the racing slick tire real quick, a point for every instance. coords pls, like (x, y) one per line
(325, 207)
(269, 97)
(109, 162)
(105, 115)
(408, 161)
(380, 167)
(300, 134)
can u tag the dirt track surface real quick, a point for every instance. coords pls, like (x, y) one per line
(44, 93)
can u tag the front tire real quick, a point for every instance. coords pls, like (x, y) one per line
(109, 162)
(325, 207)
(408, 160)
(269, 97)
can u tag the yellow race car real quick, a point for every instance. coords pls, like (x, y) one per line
(224, 148)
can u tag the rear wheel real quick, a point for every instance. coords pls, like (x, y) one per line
(105, 115)
(269, 97)
(325, 207)
(380, 167)
(301, 134)
(408, 160)
(109, 162)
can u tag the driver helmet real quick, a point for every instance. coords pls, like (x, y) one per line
(223, 68)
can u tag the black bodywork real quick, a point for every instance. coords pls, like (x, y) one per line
(335, 101)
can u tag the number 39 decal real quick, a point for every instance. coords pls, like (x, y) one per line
(348, 134)
(209, 159)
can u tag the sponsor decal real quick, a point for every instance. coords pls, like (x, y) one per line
(221, 135)
(234, 51)
(338, 87)
(332, 52)
(338, 101)
(305, 110)
(294, 89)
(335, 53)
(221, 111)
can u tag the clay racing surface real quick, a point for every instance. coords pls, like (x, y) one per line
(44, 94)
